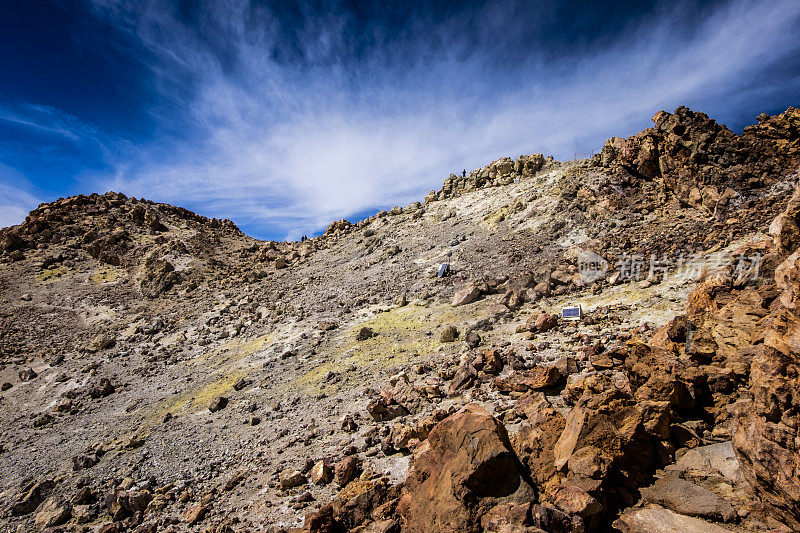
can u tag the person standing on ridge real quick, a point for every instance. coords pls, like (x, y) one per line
(464, 173)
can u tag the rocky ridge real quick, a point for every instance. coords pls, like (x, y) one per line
(163, 371)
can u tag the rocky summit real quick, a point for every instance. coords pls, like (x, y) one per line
(605, 344)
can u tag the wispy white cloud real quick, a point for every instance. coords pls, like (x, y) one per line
(286, 146)
(48, 120)
(57, 130)
(16, 197)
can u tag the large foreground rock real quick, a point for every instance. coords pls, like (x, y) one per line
(687, 498)
(767, 439)
(464, 468)
(659, 520)
(716, 458)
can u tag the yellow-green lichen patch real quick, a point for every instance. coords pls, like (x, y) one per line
(312, 380)
(354, 369)
(234, 350)
(434, 218)
(403, 334)
(198, 398)
(50, 274)
(106, 275)
(399, 319)
(247, 347)
(504, 212)
(145, 239)
(388, 354)
(497, 216)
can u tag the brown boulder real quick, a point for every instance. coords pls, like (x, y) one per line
(659, 520)
(381, 526)
(492, 361)
(321, 473)
(669, 337)
(787, 278)
(466, 295)
(589, 462)
(765, 427)
(401, 436)
(765, 437)
(506, 518)
(195, 513)
(686, 498)
(464, 468)
(601, 361)
(568, 440)
(786, 233)
(102, 389)
(472, 338)
(664, 385)
(539, 377)
(552, 520)
(359, 501)
(618, 443)
(360, 507)
(217, 404)
(292, 478)
(543, 322)
(384, 409)
(576, 501)
(449, 334)
(567, 365)
(346, 470)
(32, 495)
(156, 277)
(535, 440)
(27, 374)
(784, 228)
(322, 521)
(128, 503)
(365, 333)
(53, 513)
(464, 377)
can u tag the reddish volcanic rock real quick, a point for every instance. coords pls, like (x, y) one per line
(464, 468)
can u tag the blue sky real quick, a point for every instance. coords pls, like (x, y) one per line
(284, 116)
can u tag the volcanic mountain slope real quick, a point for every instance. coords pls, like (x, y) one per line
(165, 372)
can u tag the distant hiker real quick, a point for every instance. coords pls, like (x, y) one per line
(464, 173)
(444, 269)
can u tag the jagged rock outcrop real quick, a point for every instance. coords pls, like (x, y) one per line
(500, 172)
(767, 437)
(107, 226)
(743, 339)
(157, 276)
(702, 162)
(338, 227)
